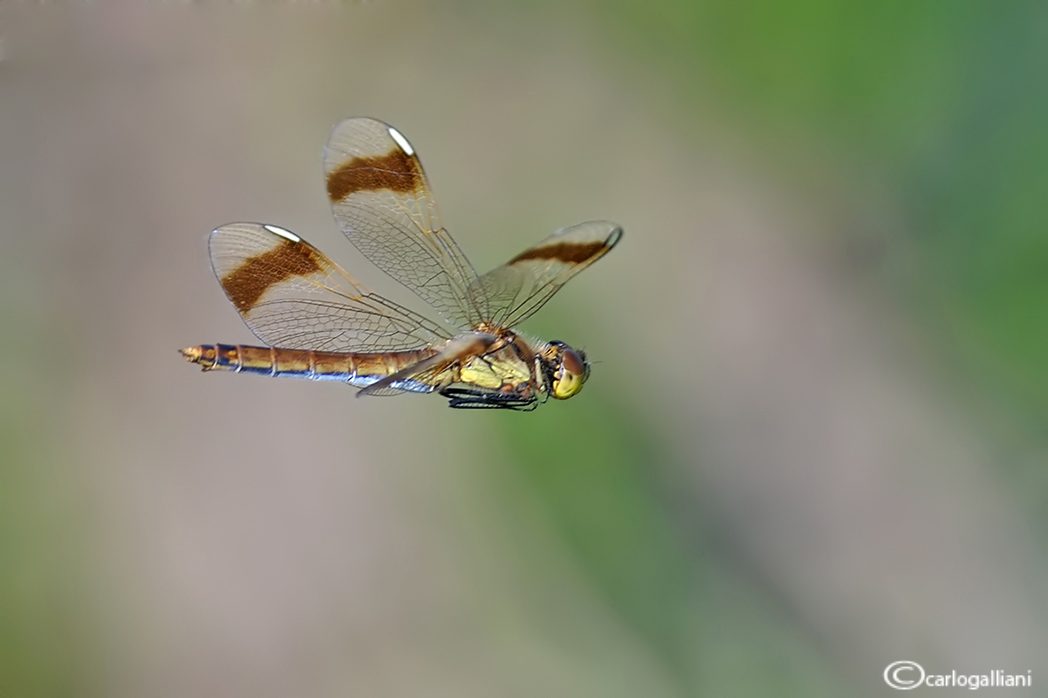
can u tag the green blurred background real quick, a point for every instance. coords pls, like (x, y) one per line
(815, 441)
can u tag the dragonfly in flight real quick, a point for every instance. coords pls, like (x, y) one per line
(320, 323)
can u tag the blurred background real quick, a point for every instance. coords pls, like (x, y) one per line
(815, 441)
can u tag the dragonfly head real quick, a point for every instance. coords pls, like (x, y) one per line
(565, 369)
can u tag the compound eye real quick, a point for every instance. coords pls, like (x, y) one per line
(570, 372)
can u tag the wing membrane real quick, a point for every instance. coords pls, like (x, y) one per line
(382, 201)
(294, 297)
(517, 289)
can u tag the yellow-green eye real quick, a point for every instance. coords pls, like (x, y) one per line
(566, 385)
(569, 371)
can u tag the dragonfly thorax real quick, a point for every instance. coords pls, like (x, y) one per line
(503, 366)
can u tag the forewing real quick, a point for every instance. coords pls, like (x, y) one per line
(294, 297)
(517, 289)
(382, 201)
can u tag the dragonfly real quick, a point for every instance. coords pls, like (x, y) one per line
(318, 322)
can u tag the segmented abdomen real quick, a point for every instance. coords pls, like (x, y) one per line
(360, 369)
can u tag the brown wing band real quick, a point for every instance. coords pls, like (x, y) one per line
(567, 252)
(396, 171)
(248, 282)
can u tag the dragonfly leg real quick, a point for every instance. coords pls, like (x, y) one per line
(467, 398)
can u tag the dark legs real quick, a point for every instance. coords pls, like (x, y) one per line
(465, 398)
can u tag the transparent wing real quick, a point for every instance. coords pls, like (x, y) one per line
(382, 201)
(517, 289)
(293, 297)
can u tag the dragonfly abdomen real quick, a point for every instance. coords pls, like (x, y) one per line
(359, 369)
